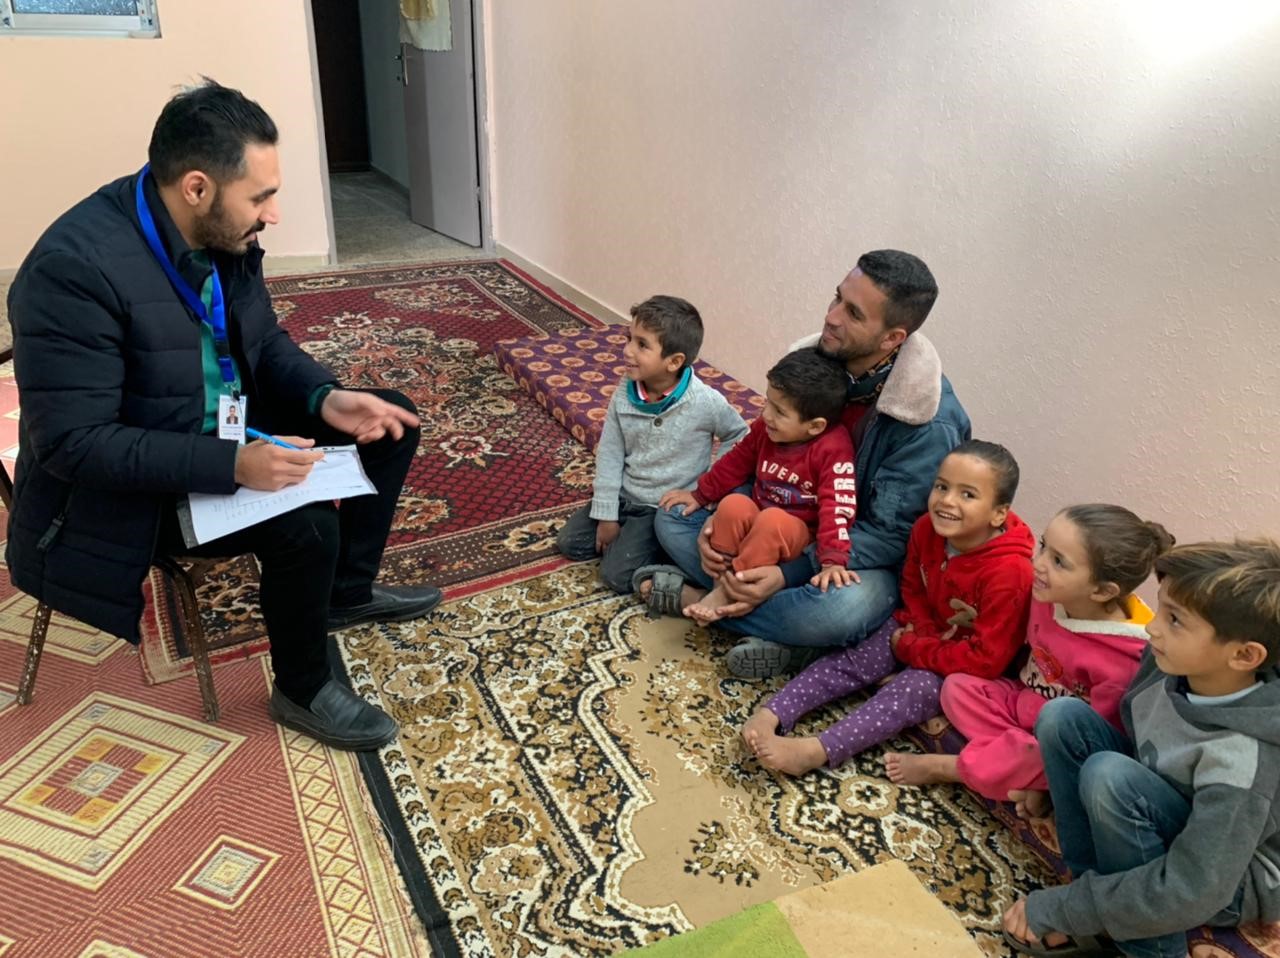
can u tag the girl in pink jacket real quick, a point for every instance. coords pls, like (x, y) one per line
(1085, 634)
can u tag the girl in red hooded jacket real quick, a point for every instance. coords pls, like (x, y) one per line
(1085, 633)
(965, 589)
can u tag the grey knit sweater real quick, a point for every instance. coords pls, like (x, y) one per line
(641, 455)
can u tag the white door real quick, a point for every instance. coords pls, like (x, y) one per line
(440, 122)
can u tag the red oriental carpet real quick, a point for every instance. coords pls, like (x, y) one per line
(130, 828)
(493, 473)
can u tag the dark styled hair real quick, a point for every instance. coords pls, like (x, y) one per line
(1121, 547)
(1234, 586)
(1001, 462)
(675, 322)
(206, 128)
(814, 384)
(906, 281)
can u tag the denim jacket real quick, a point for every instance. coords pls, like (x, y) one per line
(917, 420)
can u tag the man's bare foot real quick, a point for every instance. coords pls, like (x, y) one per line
(791, 756)
(688, 594)
(761, 725)
(1031, 803)
(707, 609)
(906, 769)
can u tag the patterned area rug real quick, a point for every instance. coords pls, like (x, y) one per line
(493, 473)
(570, 782)
(130, 828)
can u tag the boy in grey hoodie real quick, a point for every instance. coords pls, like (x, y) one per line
(1176, 825)
(657, 435)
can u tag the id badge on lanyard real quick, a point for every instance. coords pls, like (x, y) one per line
(231, 417)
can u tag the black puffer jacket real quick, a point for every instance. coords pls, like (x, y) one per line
(110, 376)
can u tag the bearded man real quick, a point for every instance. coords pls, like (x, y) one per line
(141, 320)
(904, 418)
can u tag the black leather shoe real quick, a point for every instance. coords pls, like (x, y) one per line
(338, 717)
(390, 603)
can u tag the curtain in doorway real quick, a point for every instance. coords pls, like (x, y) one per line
(425, 24)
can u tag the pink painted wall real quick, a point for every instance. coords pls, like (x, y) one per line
(1096, 186)
(79, 110)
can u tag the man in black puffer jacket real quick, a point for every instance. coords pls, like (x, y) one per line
(140, 319)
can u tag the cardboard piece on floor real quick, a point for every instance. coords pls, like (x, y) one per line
(883, 910)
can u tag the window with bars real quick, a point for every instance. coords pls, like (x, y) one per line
(109, 18)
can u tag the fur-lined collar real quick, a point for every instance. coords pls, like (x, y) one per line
(913, 390)
(1139, 615)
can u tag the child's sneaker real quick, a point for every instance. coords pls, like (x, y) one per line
(757, 658)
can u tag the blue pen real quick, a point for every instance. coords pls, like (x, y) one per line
(257, 434)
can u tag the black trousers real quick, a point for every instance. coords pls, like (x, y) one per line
(316, 555)
(635, 547)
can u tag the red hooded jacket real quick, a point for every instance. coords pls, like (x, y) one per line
(968, 612)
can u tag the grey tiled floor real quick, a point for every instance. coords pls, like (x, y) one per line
(372, 225)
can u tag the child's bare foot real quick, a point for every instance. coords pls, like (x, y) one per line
(1031, 803)
(920, 769)
(761, 725)
(706, 610)
(791, 756)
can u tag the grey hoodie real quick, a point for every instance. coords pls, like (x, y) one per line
(641, 455)
(1226, 760)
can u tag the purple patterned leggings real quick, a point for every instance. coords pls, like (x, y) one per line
(908, 699)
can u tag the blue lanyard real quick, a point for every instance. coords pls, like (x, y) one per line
(218, 320)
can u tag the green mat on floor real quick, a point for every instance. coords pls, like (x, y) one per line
(881, 910)
(759, 932)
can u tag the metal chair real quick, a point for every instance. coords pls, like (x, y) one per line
(183, 573)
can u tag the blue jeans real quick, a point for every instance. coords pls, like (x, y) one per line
(800, 616)
(1113, 813)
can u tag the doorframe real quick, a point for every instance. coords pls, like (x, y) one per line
(331, 254)
(479, 61)
(480, 64)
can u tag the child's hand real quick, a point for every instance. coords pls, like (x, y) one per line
(678, 497)
(965, 615)
(897, 637)
(833, 575)
(606, 532)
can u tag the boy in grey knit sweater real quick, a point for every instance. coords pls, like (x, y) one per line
(657, 436)
(1176, 823)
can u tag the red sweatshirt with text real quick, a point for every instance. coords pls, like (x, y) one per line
(811, 480)
(968, 611)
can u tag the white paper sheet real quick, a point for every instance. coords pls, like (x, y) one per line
(339, 475)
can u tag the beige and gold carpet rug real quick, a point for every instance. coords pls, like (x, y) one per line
(570, 783)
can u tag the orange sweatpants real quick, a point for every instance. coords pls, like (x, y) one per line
(754, 536)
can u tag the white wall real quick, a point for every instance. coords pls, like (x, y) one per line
(80, 111)
(1094, 184)
(384, 94)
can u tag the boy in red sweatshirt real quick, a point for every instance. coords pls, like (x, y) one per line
(965, 590)
(798, 458)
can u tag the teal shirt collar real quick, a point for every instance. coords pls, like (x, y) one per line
(663, 404)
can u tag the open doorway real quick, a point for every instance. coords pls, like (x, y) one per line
(400, 128)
